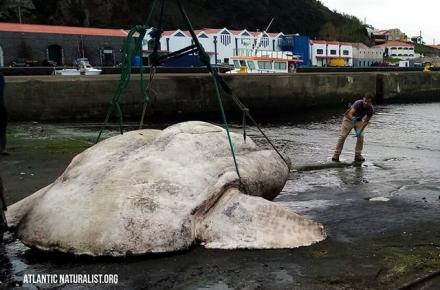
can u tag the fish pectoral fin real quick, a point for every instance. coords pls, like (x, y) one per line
(242, 221)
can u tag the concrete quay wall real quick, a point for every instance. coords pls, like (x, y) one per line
(57, 98)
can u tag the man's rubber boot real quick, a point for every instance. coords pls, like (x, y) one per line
(359, 158)
(335, 158)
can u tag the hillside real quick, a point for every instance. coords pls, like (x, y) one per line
(307, 17)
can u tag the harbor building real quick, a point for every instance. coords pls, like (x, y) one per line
(61, 45)
(364, 56)
(220, 43)
(299, 45)
(398, 49)
(384, 35)
(331, 53)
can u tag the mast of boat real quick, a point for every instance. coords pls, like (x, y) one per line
(260, 38)
(82, 46)
(79, 49)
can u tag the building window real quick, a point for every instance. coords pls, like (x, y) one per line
(264, 65)
(333, 51)
(246, 41)
(179, 34)
(279, 65)
(251, 64)
(203, 36)
(225, 38)
(320, 51)
(345, 52)
(360, 63)
(265, 42)
(236, 63)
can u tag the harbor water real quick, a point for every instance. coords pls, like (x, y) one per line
(382, 216)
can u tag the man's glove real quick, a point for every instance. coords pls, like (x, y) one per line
(357, 133)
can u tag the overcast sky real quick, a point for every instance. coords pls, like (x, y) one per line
(409, 16)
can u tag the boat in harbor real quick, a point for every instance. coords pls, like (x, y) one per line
(261, 61)
(86, 68)
(83, 67)
(67, 72)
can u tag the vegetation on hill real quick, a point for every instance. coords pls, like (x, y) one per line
(307, 17)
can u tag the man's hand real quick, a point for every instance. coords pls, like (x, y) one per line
(356, 119)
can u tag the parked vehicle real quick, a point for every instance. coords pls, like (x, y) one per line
(24, 62)
(47, 62)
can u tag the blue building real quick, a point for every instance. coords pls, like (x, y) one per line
(298, 45)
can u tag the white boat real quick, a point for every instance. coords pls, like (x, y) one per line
(83, 68)
(86, 68)
(68, 72)
(251, 61)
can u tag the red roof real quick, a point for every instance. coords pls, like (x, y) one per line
(318, 41)
(436, 46)
(273, 34)
(325, 42)
(347, 43)
(236, 32)
(168, 32)
(56, 29)
(394, 43)
(212, 30)
(217, 30)
(171, 32)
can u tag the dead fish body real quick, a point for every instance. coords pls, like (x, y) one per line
(152, 191)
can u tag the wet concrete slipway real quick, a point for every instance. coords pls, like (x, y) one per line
(382, 244)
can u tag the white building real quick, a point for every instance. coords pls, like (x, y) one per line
(364, 56)
(400, 50)
(331, 53)
(220, 44)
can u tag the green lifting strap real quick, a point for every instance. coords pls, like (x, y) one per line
(205, 58)
(132, 46)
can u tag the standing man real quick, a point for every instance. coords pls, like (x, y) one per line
(3, 117)
(356, 117)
